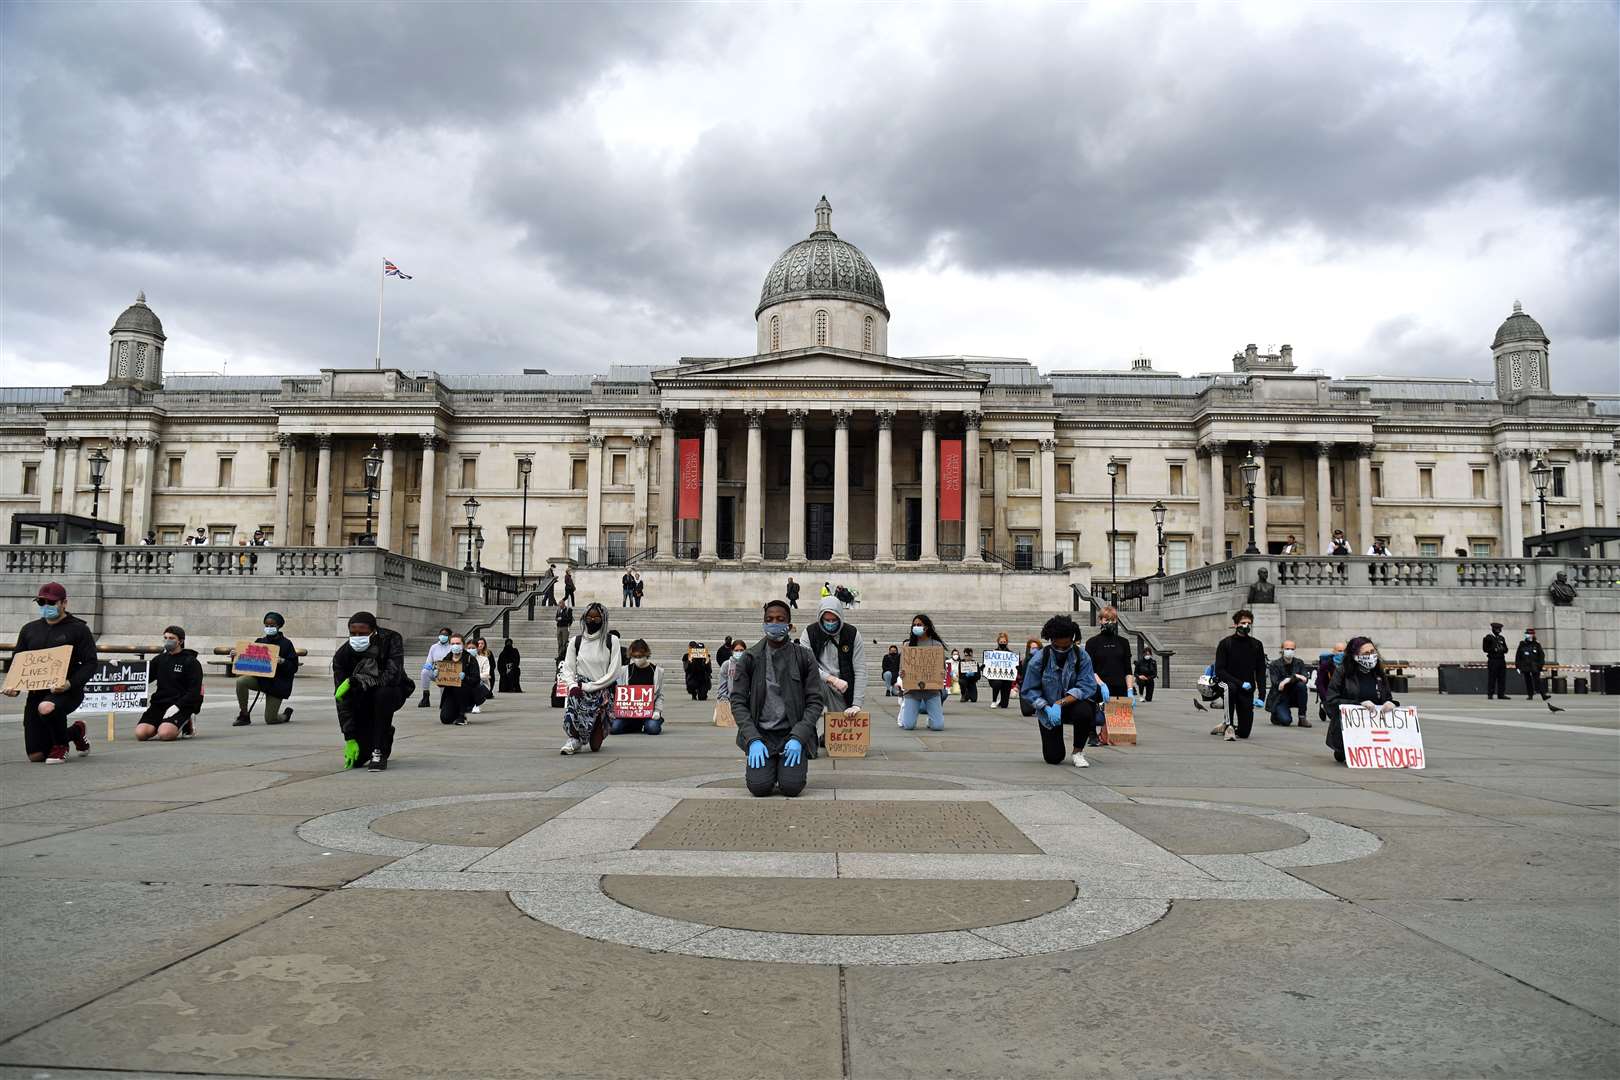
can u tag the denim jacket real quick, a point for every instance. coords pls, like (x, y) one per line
(1048, 677)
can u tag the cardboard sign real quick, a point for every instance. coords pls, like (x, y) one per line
(1373, 740)
(968, 669)
(39, 669)
(722, 714)
(922, 667)
(633, 702)
(848, 736)
(447, 672)
(697, 654)
(255, 658)
(115, 686)
(1120, 717)
(1000, 665)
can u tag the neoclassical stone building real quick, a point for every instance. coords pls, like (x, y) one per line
(821, 448)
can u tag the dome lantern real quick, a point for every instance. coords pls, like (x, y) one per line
(135, 356)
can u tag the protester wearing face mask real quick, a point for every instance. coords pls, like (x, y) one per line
(728, 653)
(776, 702)
(46, 731)
(1240, 663)
(1326, 664)
(840, 653)
(436, 652)
(1000, 689)
(455, 702)
(891, 671)
(1528, 660)
(698, 669)
(1147, 673)
(914, 702)
(641, 671)
(967, 670)
(1290, 693)
(173, 680)
(276, 688)
(1060, 687)
(590, 668)
(1110, 653)
(368, 674)
(1360, 681)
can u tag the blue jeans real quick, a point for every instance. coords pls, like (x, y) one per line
(635, 727)
(1295, 697)
(912, 704)
(888, 684)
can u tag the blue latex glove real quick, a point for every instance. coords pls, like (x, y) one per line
(756, 754)
(1052, 716)
(792, 753)
(1259, 704)
(1248, 686)
(1102, 689)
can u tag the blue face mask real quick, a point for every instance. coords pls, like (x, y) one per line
(444, 639)
(271, 631)
(830, 625)
(918, 631)
(455, 650)
(1338, 658)
(359, 642)
(776, 631)
(49, 611)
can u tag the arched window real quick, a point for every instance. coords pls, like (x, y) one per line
(776, 333)
(866, 336)
(821, 327)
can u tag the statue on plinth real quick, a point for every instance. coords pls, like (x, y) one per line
(1263, 591)
(1561, 591)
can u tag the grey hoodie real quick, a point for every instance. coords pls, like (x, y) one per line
(828, 661)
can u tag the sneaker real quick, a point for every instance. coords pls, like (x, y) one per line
(377, 763)
(1231, 736)
(77, 735)
(282, 718)
(1080, 761)
(570, 748)
(57, 755)
(475, 710)
(1218, 729)
(461, 721)
(186, 730)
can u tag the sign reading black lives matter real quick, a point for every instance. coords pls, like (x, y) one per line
(115, 686)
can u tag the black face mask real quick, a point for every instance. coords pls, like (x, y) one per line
(1244, 630)
(1110, 628)
(593, 625)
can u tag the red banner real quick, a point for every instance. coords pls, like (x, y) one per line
(950, 479)
(691, 480)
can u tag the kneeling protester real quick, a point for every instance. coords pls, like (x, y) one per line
(638, 697)
(776, 700)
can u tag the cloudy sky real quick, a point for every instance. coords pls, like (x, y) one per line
(574, 185)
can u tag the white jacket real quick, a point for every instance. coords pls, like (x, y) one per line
(598, 662)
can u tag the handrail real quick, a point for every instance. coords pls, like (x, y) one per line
(1155, 645)
(523, 599)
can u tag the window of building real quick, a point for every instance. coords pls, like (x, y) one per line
(1023, 551)
(866, 335)
(619, 469)
(1482, 547)
(1122, 478)
(574, 545)
(169, 535)
(1378, 481)
(1479, 482)
(1123, 566)
(411, 538)
(30, 478)
(776, 333)
(1023, 468)
(1429, 546)
(272, 469)
(1178, 480)
(413, 474)
(269, 534)
(821, 328)
(1065, 478)
(28, 536)
(469, 472)
(652, 470)
(1177, 550)
(1425, 481)
(1558, 483)
(221, 535)
(1275, 478)
(577, 476)
(520, 550)
(1067, 543)
(171, 476)
(227, 471)
(1335, 481)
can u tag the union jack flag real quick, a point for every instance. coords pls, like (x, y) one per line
(390, 270)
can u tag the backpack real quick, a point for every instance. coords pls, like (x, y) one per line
(613, 635)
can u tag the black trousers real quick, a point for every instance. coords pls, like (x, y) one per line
(970, 688)
(43, 733)
(1082, 716)
(773, 775)
(454, 701)
(1496, 677)
(374, 716)
(1144, 688)
(1533, 683)
(183, 711)
(1240, 709)
(999, 689)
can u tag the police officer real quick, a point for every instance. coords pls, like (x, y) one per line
(1495, 648)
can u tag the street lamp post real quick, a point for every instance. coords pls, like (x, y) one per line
(98, 472)
(478, 543)
(525, 467)
(1158, 523)
(1251, 472)
(374, 462)
(471, 506)
(1541, 475)
(1113, 525)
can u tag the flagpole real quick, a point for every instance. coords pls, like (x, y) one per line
(381, 272)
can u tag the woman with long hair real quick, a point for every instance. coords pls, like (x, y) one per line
(1360, 680)
(923, 635)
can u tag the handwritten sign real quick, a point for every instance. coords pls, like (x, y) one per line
(848, 736)
(697, 654)
(115, 686)
(447, 672)
(968, 669)
(39, 669)
(633, 702)
(1374, 740)
(1000, 665)
(923, 668)
(255, 658)
(722, 714)
(1120, 717)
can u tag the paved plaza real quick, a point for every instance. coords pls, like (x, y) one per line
(950, 906)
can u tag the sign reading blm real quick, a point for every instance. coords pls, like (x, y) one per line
(633, 702)
(1381, 740)
(115, 686)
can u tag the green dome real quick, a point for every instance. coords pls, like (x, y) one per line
(822, 266)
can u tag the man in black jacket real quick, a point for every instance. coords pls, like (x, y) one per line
(1110, 654)
(278, 687)
(368, 671)
(1494, 646)
(1147, 673)
(1240, 663)
(1529, 660)
(891, 671)
(173, 678)
(46, 731)
(1290, 693)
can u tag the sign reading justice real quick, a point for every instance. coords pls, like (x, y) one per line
(848, 736)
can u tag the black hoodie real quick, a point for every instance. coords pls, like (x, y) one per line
(175, 677)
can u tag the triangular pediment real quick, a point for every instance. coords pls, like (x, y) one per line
(818, 365)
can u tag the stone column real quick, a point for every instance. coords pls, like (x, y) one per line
(284, 467)
(427, 510)
(1609, 464)
(840, 548)
(47, 476)
(112, 506)
(1507, 463)
(668, 483)
(1583, 470)
(70, 476)
(754, 499)
(140, 510)
(711, 480)
(1324, 497)
(1201, 455)
(643, 463)
(971, 484)
(1364, 511)
(323, 491)
(1049, 504)
(1001, 537)
(593, 497)
(885, 486)
(930, 489)
(1261, 489)
(1216, 538)
(385, 494)
(797, 418)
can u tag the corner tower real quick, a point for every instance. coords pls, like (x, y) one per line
(135, 357)
(1520, 353)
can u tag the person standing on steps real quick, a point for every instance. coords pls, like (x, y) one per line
(792, 592)
(840, 654)
(923, 635)
(568, 587)
(174, 679)
(1110, 654)
(776, 701)
(278, 687)
(436, 652)
(590, 669)
(1059, 687)
(565, 623)
(627, 587)
(1290, 695)
(1240, 663)
(370, 685)
(46, 731)
(1494, 646)
(641, 671)
(1147, 673)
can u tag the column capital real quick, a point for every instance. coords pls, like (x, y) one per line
(885, 419)
(1323, 449)
(973, 421)
(1365, 449)
(1000, 445)
(385, 440)
(119, 442)
(756, 418)
(286, 440)
(929, 418)
(711, 418)
(667, 417)
(1584, 454)
(1214, 446)
(641, 440)
(841, 418)
(431, 442)
(597, 440)
(1048, 445)
(69, 442)
(1507, 453)
(1257, 447)
(797, 417)
(1604, 455)
(323, 441)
